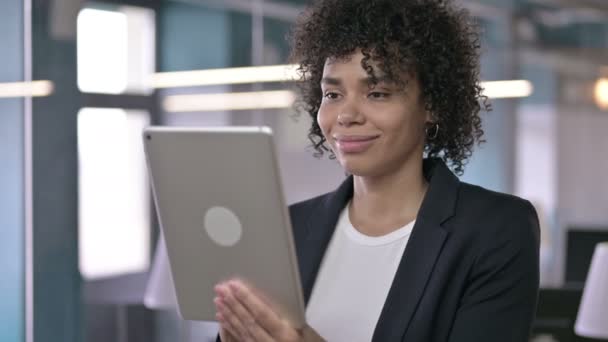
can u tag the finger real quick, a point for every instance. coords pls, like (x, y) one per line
(226, 328)
(258, 309)
(225, 334)
(230, 320)
(253, 329)
(244, 316)
(259, 334)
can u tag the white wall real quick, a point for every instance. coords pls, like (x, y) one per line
(562, 167)
(582, 193)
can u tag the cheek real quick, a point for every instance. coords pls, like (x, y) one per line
(324, 121)
(404, 127)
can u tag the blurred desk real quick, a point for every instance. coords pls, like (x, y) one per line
(556, 313)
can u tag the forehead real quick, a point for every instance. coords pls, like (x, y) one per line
(350, 69)
(337, 70)
(357, 61)
(353, 60)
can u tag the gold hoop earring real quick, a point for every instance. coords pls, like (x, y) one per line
(434, 131)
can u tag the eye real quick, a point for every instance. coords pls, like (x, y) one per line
(331, 95)
(378, 95)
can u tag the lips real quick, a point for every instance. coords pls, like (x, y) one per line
(354, 143)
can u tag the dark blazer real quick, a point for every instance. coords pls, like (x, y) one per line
(469, 272)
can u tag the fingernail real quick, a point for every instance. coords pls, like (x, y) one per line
(238, 290)
(217, 301)
(220, 291)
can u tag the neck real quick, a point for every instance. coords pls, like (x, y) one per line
(384, 203)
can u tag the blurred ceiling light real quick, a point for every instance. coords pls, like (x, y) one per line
(258, 74)
(230, 101)
(26, 89)
(600, 93)
(288, 72)
(113, 193)
(507, 89)
(286, 98)
(102, 51)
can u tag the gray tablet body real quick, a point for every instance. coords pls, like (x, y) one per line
(220, 205)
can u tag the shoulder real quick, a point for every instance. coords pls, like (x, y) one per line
(303, 209)
(495, 216)
(481, 200)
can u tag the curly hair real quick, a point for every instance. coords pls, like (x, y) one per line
(432, 39)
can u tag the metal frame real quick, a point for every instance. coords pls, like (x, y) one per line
(28, 177)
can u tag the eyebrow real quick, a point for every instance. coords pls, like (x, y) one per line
(365, 81)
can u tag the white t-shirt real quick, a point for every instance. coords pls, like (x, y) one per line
(353, 281)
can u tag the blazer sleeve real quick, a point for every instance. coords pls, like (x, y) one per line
(499, 302)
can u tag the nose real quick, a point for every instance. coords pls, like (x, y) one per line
(350, 114)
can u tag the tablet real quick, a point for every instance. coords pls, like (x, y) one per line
(220, 206)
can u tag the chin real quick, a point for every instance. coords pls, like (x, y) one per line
(362, 167)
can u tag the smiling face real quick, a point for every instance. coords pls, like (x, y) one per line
(373, 129)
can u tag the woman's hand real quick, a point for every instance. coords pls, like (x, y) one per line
(244, 316)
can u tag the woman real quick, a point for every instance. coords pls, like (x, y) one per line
(402, 250)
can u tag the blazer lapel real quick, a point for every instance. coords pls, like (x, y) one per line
(420, 255)
(320, 228)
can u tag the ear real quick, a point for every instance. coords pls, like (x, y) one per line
(428, 117)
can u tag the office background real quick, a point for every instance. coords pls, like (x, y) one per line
(79, 80)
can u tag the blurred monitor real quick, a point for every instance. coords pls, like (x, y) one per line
(556, 314)
(579, 250)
